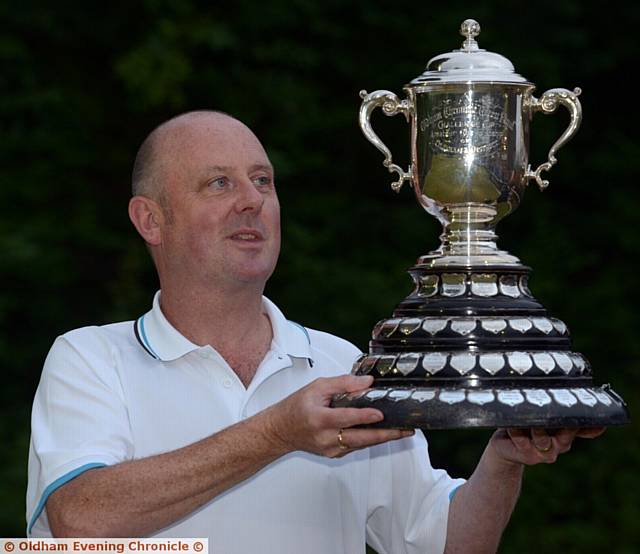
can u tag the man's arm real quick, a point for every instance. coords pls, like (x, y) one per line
(140, 497)
(481, 508)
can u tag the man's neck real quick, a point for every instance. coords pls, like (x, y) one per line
(234, 323)
(206, 318)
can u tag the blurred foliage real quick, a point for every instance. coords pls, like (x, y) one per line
(83, 83)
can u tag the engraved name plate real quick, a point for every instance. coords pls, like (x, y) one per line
(537, 397)
(407, 363)
(428, 285)
(451, 397)
(423, 395)
(585, 397)
(453, 284)
(563, 361)
(409, 325)
(494, 325)
(563, 397)
(480, 397)
(603, 397)
(376, 394)
(544, 361)
(492, 363)
(509, 286)
(484, 284)
(463, 363)
(520, 324)
(434, 326)
(434, 361)
(463, 326)
(542, 324)
(399, 394)
(510, 397)
(520, 361)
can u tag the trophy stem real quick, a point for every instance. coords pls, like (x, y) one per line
(469, 239)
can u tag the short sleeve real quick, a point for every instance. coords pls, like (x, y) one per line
(408, 499)
(79, 420)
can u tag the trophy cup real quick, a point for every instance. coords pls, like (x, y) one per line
(470, 346)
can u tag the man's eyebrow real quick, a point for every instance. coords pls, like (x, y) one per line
(263, 167)
(256, 167)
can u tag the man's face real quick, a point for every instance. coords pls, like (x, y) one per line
(222, 216)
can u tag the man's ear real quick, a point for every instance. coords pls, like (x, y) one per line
(147, 217)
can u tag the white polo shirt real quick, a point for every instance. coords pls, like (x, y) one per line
(131, 390)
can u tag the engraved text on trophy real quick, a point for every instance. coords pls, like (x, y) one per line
(467, 125)
(471, 149)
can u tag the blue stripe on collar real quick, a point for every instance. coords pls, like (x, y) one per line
(304, 330)
(141, 336)
(306, 333)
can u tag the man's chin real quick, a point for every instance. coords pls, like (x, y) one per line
(253, 275)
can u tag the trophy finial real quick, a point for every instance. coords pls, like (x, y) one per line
(470, 29)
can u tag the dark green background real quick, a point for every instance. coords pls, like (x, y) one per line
(82, 83)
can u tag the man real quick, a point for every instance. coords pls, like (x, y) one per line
(209, 415)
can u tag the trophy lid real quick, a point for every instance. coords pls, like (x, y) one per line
(469, 64)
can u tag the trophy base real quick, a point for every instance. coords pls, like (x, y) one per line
(459, 408)
(471, 347)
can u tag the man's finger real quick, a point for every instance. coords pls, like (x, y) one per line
(564, 438)
(362, 438)
(341, 418)
(344, 383)
(590, 432)
(520, 437)
(541, 440)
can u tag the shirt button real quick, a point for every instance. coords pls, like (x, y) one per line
(203, 354)
(226, 383)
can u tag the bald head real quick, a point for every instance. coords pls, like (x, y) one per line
(149, 168)
(205, 202)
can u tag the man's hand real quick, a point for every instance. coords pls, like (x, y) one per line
(304, 420)
(536, 446)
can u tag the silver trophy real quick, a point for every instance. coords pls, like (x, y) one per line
(471, 346)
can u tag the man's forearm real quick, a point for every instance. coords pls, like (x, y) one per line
(481, 508)
(140, 497)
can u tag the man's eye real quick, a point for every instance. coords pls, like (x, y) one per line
(219, 183)
(262, 181)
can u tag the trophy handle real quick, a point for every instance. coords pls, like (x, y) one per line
(391, 105)
(547, 104)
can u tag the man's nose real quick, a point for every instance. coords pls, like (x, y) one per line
(249, 197)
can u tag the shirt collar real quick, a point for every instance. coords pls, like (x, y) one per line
(163, 341)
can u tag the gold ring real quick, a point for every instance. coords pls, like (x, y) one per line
(543, 450)
(341, 444)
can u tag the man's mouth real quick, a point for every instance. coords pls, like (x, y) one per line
(247, 235)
